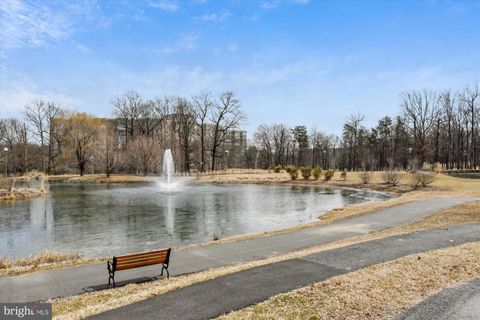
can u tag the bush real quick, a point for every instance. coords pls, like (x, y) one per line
(392, 177)
(329, 174)
(293, 174)
(418, 179)
(317, 173)
(343, 175)
(306, 173)
(290, 169)
(365, 176)
(277, 169)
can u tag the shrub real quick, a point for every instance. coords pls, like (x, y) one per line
(392, 177)
(418, 179)
(317, 173)
(290, 168)
(277, 169)
(306, 173)
(293, 174)
(343, 175)
(365, 176)
(329, 174)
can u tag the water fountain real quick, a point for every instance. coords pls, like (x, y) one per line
(168, 183)
(168, 167)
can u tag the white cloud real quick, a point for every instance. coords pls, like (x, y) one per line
(81, 47)
(31, 24)
(17, 90)
(215, 17)
(187, 42)
(269, 4)
(252, 18)
(232, 47)
(171, 80)
(301, 1)
(164, 5)
(272, 76)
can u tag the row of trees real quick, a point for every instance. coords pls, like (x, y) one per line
(432, 127)
(177, 121)
(54, 140)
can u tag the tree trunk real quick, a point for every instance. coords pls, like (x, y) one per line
(214, 155)
(202, 142)
(81, 166)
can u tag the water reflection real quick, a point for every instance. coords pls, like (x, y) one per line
(99, 220)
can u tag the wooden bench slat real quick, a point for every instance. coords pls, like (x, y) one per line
(140, 259)
(138, 264)
(142, 254)
(163, 254)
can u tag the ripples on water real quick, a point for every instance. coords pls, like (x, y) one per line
(102, 220)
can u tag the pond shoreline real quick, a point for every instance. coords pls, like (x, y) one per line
(400, 195)
(192, 216)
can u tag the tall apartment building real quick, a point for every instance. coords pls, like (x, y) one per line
(230, 154)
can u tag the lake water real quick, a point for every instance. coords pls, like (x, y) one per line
(106, 220)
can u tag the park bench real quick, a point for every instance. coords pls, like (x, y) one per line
(138, 260)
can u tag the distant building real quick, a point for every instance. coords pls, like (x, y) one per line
(231, 154)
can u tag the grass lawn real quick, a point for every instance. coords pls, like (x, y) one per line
(381, 291)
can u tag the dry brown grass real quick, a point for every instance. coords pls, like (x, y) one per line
(77, 307)
(20, 194)
(442, 181)
(102, 178)
(381, 291)
(44, 261)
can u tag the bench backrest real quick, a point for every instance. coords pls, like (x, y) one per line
(141, 259)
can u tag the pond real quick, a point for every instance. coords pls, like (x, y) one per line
(106, 220)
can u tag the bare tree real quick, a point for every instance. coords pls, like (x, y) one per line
(36, 114)
(226, 115)
(15, 137)
(106, 150)
(202, 104)
(470, 103)
(81, 130)
(421, 110)
(184, 126)
(41, 115)
(352, 131)
(264, 142)
(281, 137)
(128, 109)
(144, 153)
(447, 103)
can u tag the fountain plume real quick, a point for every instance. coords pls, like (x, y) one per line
(168, 183)
(168, 166)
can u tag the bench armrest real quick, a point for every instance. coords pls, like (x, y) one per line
(109, 265)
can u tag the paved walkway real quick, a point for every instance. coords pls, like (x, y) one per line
(75, 280)
(460, 303)
(212, 298)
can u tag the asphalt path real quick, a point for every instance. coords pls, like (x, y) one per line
(461, 302)
(215, 297)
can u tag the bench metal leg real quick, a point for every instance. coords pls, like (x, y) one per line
(111, 274)
(112, 278)
(164, 266)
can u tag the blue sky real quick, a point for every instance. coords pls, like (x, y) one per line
(293, 62)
